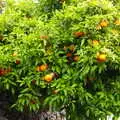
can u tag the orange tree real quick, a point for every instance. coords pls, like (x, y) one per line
(67, 57)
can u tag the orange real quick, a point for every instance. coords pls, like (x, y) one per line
(17, 62)
(1, 71)
(4, 71)
(95, 42)
(104, 23)
(69, 54)
(43, 67)
(76, 58)
(101, 57)
(49, 77)
(78, 34)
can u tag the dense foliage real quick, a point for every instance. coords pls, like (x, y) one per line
(62, 54)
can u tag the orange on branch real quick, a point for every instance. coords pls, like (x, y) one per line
(104, 23)
(101, 57)
(69, 54)
(17, 62)
(43, 67)
(78, 34)
(49, 77)
(76, 58)
(95, 42)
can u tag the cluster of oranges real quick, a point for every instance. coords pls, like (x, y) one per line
(101, 57)
(7, 70)
(49, 77)
(71, 55)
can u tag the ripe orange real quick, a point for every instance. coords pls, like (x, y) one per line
(69, 54)
(17, 62)
(78, 34)
(117, 22)
(101, 57)
(104, 23)
(49, 77)
(1, 71)
(95, 42)
(76, 58)
(4, 71)
(43, 67)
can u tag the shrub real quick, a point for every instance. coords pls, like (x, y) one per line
(66, 58)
